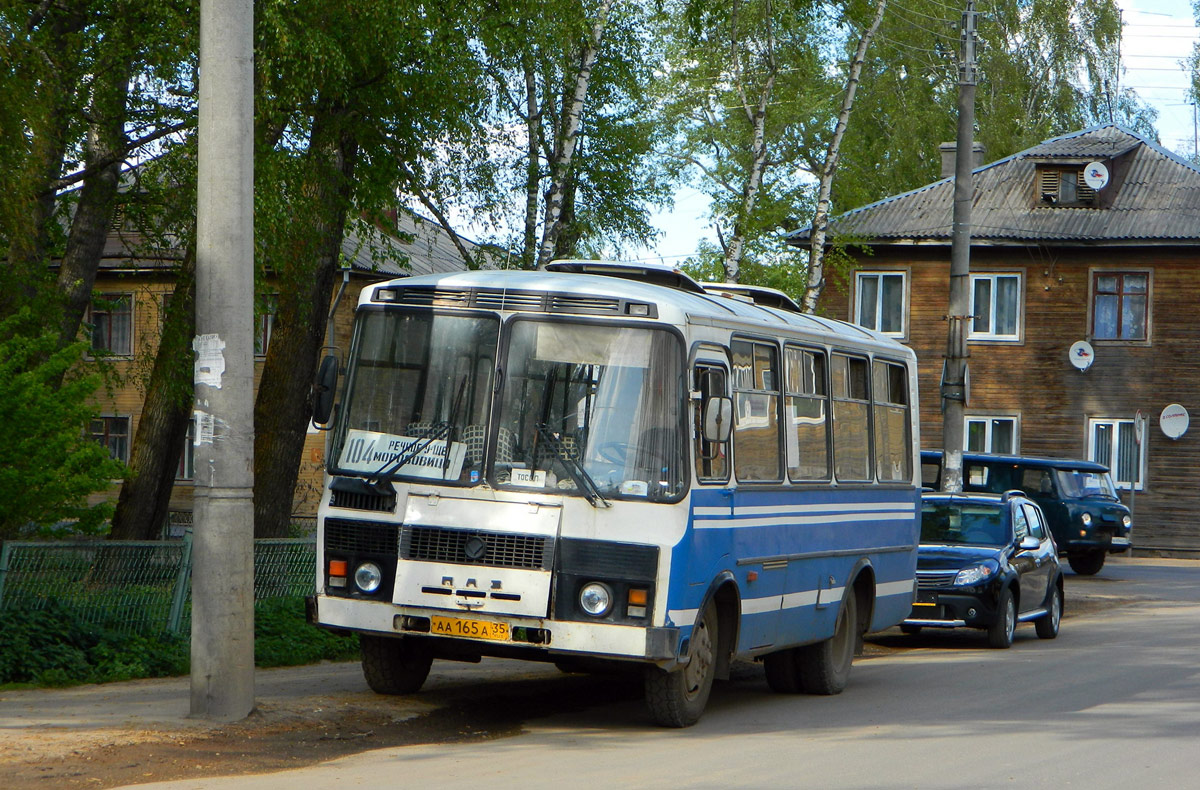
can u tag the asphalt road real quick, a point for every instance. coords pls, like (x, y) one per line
(1114, 702)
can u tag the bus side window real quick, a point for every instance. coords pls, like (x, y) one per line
(712, 458)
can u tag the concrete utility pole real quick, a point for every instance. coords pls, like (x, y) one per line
(223, 546)
(955, 378)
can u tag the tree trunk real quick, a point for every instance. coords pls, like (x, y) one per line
(157, 444)
(97, 202)
(283, 408)
(569, 137)
(533, 172)
(816, 255)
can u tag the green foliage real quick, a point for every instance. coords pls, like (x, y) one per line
(51, 646)
(282, 637)
(48, 464)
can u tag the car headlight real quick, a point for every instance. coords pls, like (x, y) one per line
(595, 599)
(368, 577)
(1086, 519)
(1127, 520)
(975, 574)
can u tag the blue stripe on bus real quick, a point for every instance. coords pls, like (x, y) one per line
(801, 545)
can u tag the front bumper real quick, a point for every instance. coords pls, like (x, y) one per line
(657, 645)
(945, 609)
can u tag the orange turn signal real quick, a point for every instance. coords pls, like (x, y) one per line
(637, 597)
(337, 567)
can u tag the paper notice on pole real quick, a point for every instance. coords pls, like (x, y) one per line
(205, 429)
(210, 360)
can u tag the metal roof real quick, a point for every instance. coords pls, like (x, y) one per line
(1155, 199)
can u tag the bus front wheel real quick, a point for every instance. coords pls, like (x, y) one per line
(394, 665)
(676, 699)
(824, 668)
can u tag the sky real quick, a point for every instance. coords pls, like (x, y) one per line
(1158, 36)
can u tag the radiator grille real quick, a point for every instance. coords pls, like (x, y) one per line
(358, 500)
(928, 580)
(361, 537)
(473, 547)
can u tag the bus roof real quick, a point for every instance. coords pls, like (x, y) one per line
(616, 294)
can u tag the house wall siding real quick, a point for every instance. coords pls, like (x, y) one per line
(1034, 377)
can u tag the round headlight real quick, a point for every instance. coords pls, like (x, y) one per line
(368, 577)
(1086, 518)
(595, 599)
(1127, 521)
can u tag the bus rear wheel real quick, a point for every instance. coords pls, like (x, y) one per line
(677, 698)
(824, 668)
(394, 665)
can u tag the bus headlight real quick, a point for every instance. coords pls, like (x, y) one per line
(368, 577)
(595, 599)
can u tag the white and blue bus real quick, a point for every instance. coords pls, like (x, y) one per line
(599, 463)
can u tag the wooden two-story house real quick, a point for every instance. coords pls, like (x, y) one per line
(1084, 338)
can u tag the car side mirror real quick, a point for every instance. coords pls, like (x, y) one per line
(718, 419)
(324, 391)
(1029, 543)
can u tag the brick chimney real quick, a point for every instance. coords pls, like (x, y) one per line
(948, 150)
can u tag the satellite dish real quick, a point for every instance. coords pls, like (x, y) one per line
(1095, 175)
(1174, 421)
(1081, 355)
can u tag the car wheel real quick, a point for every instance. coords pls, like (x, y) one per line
(782, 674)
(677, 698)
(1047, 624)
(1000, 633)
(394, 665)
(1086, 564)
(825, 667)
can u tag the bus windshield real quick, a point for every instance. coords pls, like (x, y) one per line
(592, 409)
(417, 396)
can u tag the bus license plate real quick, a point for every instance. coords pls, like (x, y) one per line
(473, 629)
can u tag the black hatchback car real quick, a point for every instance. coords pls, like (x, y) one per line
(986, 561)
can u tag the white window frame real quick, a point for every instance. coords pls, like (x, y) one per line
(988, 420)
(991, 335)
(878, 317)
(1112, 462)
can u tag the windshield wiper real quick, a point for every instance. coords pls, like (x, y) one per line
(439, 430)
(583, 481)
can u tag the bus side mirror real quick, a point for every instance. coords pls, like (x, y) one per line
(718, 419)
(324, 390)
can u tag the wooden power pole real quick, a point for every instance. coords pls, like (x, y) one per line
(955, 377)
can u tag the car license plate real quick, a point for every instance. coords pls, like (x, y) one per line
(1120, 541)
(473, 629)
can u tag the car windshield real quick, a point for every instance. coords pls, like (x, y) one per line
(1076, 484)
(961, 523)
(592, 409)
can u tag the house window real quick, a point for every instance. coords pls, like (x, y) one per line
(187, 458)
(995, 307)
(1116, 444)
(111, 319)
(112, 433)
(1063, 186)
(991, 435)
(880, 303)
(267, 308)
(1120, 305)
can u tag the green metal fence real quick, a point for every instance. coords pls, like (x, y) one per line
(137, 586)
